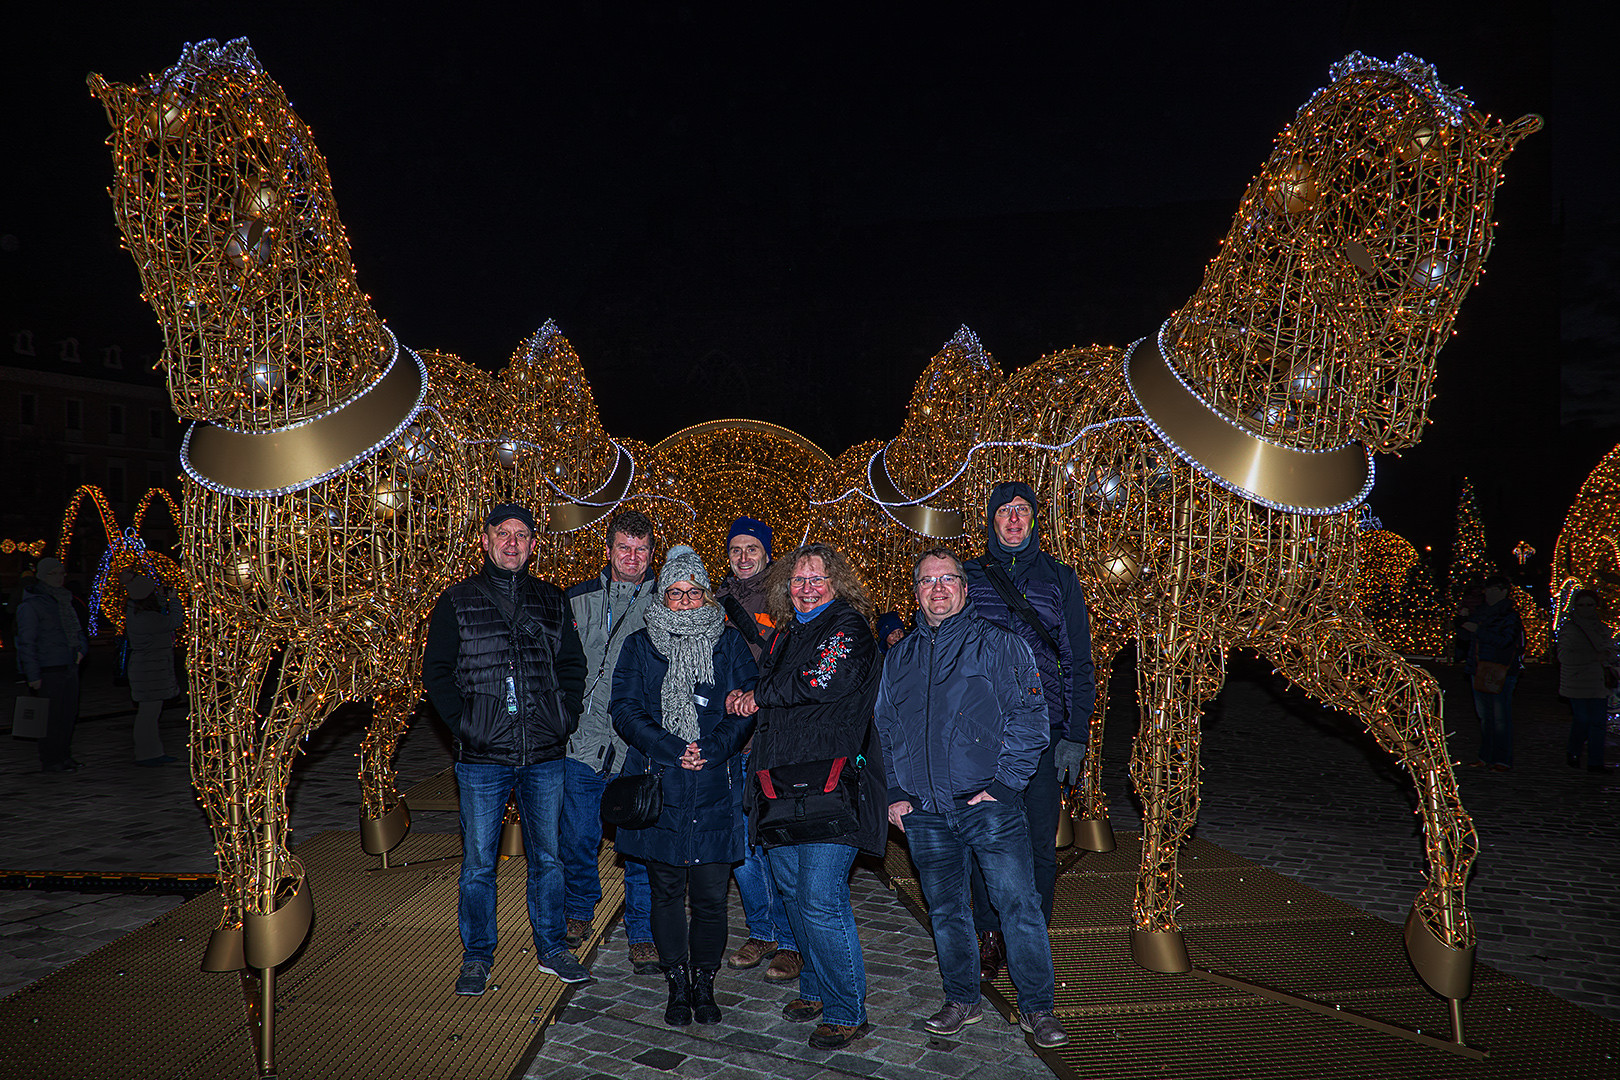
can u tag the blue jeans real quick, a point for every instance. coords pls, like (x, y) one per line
(1496, 724)
(484, 790)
(1589, 726)
(1041, 801)
(814, 882)
(944, 846)
(581, 843)
(761, 903)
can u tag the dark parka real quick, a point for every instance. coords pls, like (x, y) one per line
(817, 682)
(702, 820)
(960, 711)
(470, 651)
(1052, 589)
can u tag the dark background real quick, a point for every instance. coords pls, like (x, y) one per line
(783, 213)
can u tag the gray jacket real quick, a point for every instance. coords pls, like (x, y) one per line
(606, 613)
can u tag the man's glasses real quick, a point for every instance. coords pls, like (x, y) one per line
(808, 582)
(1012, 511)
(950, 581)
(681, 594)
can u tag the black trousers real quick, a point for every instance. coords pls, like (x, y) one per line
(1041, 808)
(704, 887)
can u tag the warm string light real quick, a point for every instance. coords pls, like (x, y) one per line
(1316, 329)
(36, 548)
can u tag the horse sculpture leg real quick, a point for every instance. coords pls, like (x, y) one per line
(1173, 681)
(384, 817)
(1344, 664)
(1092, 832)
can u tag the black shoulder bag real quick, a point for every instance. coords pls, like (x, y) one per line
(635, 801)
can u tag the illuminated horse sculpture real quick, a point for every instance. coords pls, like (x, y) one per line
(1207, 478)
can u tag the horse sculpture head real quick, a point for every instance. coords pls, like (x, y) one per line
(1319, 321)
(242, 257)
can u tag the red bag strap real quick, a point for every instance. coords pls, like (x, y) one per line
(765, 784)
(832, 773)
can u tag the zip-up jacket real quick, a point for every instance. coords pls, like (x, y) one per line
(816, 683)
(471, 652)
(606, 613)
(960, 711)
(1068, 675)
(702, 820)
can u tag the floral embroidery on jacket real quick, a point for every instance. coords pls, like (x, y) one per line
(832, 650)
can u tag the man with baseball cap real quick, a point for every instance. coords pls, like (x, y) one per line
(505, 670)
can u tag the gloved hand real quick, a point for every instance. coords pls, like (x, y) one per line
(1071, 760)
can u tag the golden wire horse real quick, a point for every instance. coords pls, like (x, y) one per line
(1204, 481)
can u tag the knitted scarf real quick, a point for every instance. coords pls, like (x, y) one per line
(686, 639)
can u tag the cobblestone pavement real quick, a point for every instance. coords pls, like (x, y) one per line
(1287, 784)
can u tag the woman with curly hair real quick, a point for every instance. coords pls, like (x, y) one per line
(818, 679)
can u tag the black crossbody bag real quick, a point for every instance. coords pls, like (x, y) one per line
(1018, 603)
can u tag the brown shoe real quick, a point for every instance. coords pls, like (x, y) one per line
(753, 953)
(800, 1010)
(785, 967)
(836, 1036)
(992, 955)
(578, 930)
(644, 958)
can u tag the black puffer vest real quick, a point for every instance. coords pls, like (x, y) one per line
(534, 726)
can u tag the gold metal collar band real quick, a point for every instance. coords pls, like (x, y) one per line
(289, 459)
(1316, 482)
(914, 516)
(570, 516)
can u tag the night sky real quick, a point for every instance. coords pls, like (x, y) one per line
(783, 214)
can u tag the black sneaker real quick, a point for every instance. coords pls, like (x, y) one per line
(565, 967)
(473, 978)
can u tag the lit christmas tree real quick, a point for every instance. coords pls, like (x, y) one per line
(1468, 559)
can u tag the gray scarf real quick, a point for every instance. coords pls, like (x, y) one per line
(686, 639)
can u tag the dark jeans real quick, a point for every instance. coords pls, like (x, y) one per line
(704, 886)
(943, 846)
(580, 846)
(1496, 724)
(1589, 726)
(1041, 811)
(61, 686)
(484, 789)
(814, 882)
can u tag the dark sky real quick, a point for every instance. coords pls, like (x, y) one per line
(783, 214)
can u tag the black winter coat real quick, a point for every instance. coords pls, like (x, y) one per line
(471, 649)
(816, 686)
(703, 810)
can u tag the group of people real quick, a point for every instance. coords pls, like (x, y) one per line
(1491, 645)
(53, 643)
(784, 738)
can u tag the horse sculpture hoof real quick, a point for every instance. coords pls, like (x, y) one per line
(1447, 971)
(224, 952)
(380, 835)
(1093, 834)
(1160, 950)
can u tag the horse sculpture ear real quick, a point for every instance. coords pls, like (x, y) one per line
(1528, 124)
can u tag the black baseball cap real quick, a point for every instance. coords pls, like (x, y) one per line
(508, 511)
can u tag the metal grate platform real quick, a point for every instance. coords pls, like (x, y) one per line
(367, 996)
(1247, 923)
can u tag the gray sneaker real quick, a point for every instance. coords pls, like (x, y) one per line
(473, 978)
(565, 967)
(953, 1017)
(1043, 1027)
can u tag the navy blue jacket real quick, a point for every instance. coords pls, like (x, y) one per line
(960, 711)
(1068, 675)
(1500, 637)
(703, 810)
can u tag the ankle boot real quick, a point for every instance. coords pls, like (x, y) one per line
(704, 1010)
(678, 1013)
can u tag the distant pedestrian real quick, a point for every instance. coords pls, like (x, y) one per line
(1495, 658)
(150, 620)
(51, 644)
(1586, 676)
(890, 629)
